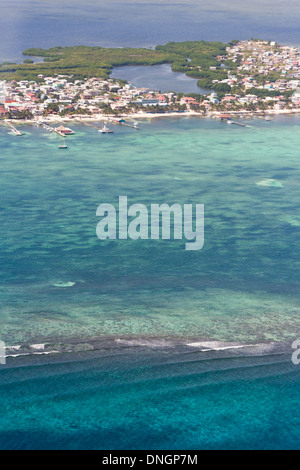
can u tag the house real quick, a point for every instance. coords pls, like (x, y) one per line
(188, 100)
(296, 97)
(162, 99)
(150, 102)
(229, 98)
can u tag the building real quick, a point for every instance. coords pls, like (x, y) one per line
(150, 102)
(296, 97)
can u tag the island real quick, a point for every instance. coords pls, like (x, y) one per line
(242, 77)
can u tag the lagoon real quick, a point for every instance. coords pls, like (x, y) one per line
(158, 78)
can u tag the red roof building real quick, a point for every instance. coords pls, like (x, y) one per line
(188, 100)
(229, 98)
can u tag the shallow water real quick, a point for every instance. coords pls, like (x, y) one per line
(57, 280)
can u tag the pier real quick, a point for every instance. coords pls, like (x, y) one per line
(87, 123)
(123, 123)
(14, 129)
(114, 121)
(235, 123)
(52, 129)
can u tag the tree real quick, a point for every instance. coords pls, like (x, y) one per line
(21, 114)
(52, 107)
(222, 87)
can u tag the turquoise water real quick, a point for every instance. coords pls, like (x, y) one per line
(244, 284)
(141, 385)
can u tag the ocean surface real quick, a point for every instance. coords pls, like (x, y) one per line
(160, 399)
(58, 280)
(127, 322)
(40, 23)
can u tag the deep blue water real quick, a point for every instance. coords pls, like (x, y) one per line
(164, 399)
(40, 23)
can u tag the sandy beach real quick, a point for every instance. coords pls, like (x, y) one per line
(52, 119)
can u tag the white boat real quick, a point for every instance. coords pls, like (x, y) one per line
(63, 146)
(105, 130)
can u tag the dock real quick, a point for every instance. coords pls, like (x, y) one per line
(123, 123)
(87, 123)
(237, 123)
(61, 131)
(114, 121)
(14, 129)
(52, 129)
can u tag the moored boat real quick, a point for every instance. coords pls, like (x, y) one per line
(105, 130)
(63, 146)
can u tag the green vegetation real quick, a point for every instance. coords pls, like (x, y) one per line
(53, 107)
(71, 112)
(198, 59)
(79, 62)
(107, 109)
(271, 77)
(26, 114)
(193, 58)
(272, 93)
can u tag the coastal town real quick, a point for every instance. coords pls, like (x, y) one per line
(261, 78)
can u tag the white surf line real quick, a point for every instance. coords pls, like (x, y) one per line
(33, 354)
(214, 347)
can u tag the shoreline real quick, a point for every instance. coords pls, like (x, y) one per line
(136, 116)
